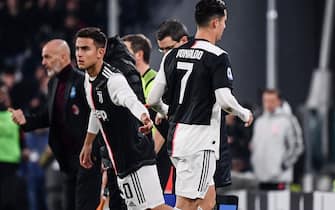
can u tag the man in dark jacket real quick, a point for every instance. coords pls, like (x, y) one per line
(66, 114)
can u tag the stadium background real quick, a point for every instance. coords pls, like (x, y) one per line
(26, 24)
(299, 33)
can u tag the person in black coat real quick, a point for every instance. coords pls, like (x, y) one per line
(66, 113)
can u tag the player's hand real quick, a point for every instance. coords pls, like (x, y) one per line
(85, 156)
(250, 120)
(159, 118)
(147, 124)
(18, 116)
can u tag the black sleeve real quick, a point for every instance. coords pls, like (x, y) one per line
(39, 120)
(222, 76)
(23, 144)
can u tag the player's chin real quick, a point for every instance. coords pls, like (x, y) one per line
(81, 66)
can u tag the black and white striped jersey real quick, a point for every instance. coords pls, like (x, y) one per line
(190, 75)
(116, 111)
(193, 72)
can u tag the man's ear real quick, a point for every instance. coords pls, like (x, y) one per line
(184, 39)
(139, 55)
(101, 52)
(215, 23)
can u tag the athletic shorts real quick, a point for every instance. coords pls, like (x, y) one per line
(141, 189)
(194, 174)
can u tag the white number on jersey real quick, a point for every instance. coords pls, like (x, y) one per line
(188, 67)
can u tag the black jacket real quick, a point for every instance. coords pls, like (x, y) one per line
(76, 116)
(118, 56)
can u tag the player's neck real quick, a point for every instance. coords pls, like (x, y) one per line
(204, 33)
(142, 67)
(95, 69)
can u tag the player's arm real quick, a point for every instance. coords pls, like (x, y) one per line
(122, 95)
(157, 91)
(92, 130)
(228, 102)
(222, 80)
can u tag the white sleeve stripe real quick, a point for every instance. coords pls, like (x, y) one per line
(108, 70)
(105, 74)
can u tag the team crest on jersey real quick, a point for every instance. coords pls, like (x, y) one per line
(229, 73)
(101, 114)
(101, 99)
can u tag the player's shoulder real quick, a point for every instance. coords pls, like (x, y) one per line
(109, 71)
(209, 47)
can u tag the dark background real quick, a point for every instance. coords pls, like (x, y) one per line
(299, 33)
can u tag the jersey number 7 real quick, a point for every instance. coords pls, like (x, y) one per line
(188, 67)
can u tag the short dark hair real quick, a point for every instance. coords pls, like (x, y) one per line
(273, 91)
(173, 28)
(139, 42)
(206, 10)
(94, 33)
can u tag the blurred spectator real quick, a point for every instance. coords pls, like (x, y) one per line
(71, 25)
(33, 59)
(276, 143)
(50, 13)
(13, 40)
(12, 188)
(20, 91)
(25, 25)
(8, 77)
(98, 11)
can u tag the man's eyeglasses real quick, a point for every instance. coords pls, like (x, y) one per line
(165, 49)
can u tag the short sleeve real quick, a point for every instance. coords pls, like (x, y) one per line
(222, 75)
(93, 124)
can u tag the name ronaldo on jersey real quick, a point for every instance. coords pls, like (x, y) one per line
(190, 54)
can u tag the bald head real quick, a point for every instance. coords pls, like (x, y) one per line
(58, 46)
(56, 55)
